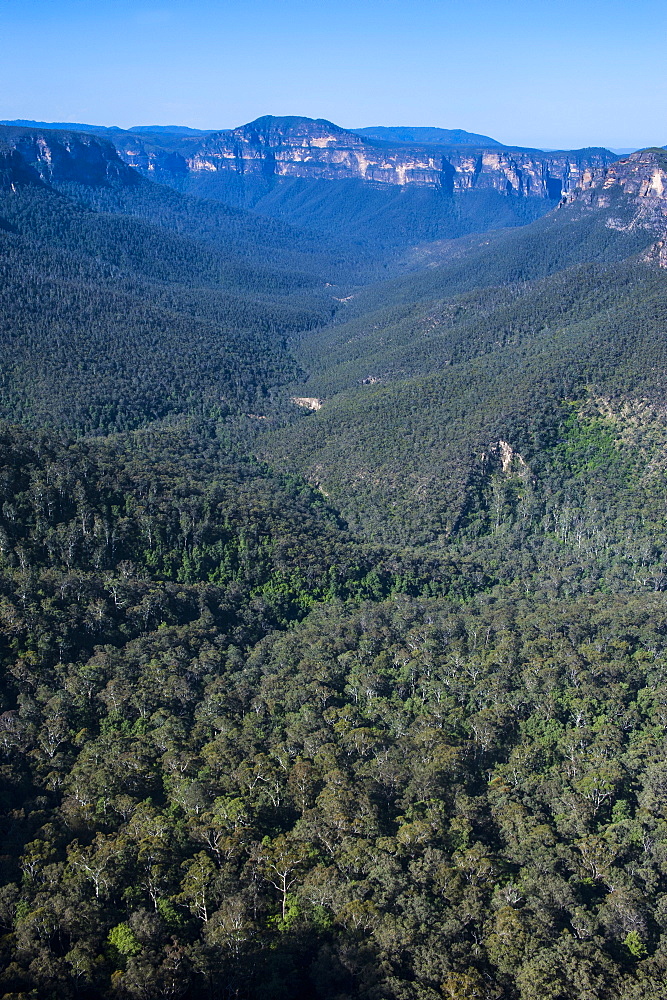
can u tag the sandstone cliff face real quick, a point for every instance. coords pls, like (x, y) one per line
(286, 148)
(640, 179)
(158, 164)
(34, 155)
(318, 150)
(633, 193)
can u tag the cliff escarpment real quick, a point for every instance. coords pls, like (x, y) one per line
(289, 148)
(33, 155)
(316, 176)
(637, 182)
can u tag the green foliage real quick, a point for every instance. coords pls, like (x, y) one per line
(110, 321)
(490, 770)
(633, 943)
(416, 397)
(368, 702)
(380, 217)
(122, 938)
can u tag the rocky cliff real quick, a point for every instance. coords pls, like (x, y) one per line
(632, 195)
(287, 148)
(29, 155)
(273, 149)
(639, 179)
(14, 171)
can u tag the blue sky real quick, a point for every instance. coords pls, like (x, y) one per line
(543, 73)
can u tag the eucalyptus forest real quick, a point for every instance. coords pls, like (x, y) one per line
(332, 588)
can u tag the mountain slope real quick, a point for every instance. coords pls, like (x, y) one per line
(417, 392)
(151, 306)
(362, 193)
(244, 752)
(358, 189)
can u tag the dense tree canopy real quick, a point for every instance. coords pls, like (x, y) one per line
(362, 702)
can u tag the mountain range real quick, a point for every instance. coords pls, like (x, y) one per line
(333, 554)
(318, 176)
(375, 348)
(418, 135)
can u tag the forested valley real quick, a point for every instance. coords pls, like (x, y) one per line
(332, 591)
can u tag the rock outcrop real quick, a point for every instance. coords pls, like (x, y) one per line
(285, 148)
(279, 149)
(308, 402)
(501, 457)
(635, 187)
(29, 155)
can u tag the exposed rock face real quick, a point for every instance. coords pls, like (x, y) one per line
(161, 165)
(319, 150)
(657, 254)
(501, 457)
(287, 148)
(33, 155)
(638, 181)
(308, 402)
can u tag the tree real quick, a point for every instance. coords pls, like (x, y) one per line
(281, 862)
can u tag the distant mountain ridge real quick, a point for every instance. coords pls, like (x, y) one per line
(111, 129)
(315, 149)
(419, 135)
(331, 181)
(404, 134)
(33, 156)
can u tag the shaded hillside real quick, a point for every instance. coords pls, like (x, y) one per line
(356, 189)
(124, 302)
(89, 170)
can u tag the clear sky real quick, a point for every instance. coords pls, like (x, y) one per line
(527, 72)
